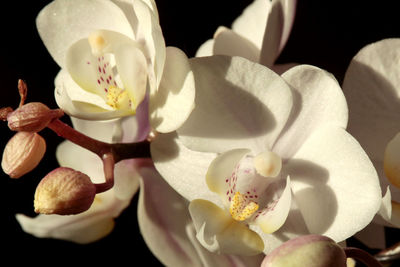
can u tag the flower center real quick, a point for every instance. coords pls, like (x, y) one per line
(242, 208)
(117, 98)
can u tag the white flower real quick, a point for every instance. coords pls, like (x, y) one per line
(98, 220)
(301, 118)
(371, 86)
(258, 34)
(168, 230)
(112, 55)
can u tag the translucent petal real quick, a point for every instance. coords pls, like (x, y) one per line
(150, 34)
(132, 68)
(163, 221)
(391, 161)
(63, 22)
(173, 101)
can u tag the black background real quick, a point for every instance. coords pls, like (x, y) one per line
(325, 33)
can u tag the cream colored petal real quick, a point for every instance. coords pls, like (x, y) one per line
(272, 217)
(218, 232)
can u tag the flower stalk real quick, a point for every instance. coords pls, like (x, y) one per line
(361, 255)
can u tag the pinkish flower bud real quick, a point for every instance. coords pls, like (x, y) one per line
(22, 153)
(64, 191)
(309, 250)
(32, 117)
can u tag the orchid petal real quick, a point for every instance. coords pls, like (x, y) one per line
(132, 68)
(163, 221)
(184, 169)
(272, 35)
(289, 12)
(294, 226)
(173, 102)
(81, 65)
(218, 232)
(63, 22)
(206, 49)
(221, 169)
(238, 104)
(230, 43)
(74, 101)
(149, 33)
(88, 162)
(272, 217)
(391, 161)
(86, 227)
(222, 260)
(318, 100)
(76, 228)
(324, 172)
(372, 88)
(251, 24)
(386, 207)
(106, 131)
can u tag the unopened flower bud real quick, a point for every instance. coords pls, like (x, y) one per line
(64, 191)
(309, 250)
(22, 153)
(32, 117)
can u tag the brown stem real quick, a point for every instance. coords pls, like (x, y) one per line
(108, 167)
(69, 133)
(362, 256)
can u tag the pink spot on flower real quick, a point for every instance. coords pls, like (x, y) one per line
(102, 79)
(106, 90)
(98, 81)
(99, 69)
(108, 81)
(88, 62)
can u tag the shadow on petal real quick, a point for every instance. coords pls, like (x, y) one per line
(223, 109)
(316, 200)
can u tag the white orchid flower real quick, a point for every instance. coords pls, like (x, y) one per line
(372, 85)
(98, 220)
(248, 119)
(168, 230)
(112, 55)
(259, 34)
